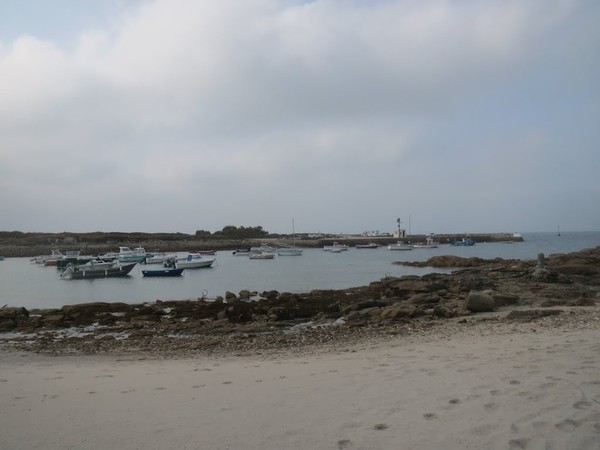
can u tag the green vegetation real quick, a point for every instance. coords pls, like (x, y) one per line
(19, 238)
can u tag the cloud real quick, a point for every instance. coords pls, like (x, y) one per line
(328, 105)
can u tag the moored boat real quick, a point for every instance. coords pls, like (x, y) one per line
(163, 272)
(429, 243)
(464, 242)
(195, 261)
(400, 246)
(336, 246)
(369, 245)
(263, 255)
(74, 273)
(126, 255)
(159, 258)
(289, 251)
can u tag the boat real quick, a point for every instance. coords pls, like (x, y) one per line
(41, 259)
(263, 248)
(194, 261)
(335, 250)
(126, 255)
(400, 246)
(74, 273)
(163, 272)
(159, 258)
(96, 264)
(244, 252)
(290, 251)
(464, 242)
(263, 255)
(335, 247)
(429, 243)
(369, 245)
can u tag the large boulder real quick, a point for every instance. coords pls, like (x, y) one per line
(478, 301)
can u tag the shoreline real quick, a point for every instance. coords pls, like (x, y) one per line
(515, 386)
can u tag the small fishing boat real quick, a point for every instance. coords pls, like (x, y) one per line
(464, 242)
(74, 273)
(429, 243)
(163, 272)
(264, 255)
(369, 245)
(400, 246)
(195, 261)
(126, 255)
(335, 247)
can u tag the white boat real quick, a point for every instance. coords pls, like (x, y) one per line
(336, 250)
(335, 247)
(194, 261)
(159, 258)
(97, 264)
(41, 259)
(126, 255)
(429, 243)
(290, 251)
(369, 245)
(263, 248)
(400, 246)
(263, 255)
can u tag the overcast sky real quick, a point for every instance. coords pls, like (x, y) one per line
(180, 115)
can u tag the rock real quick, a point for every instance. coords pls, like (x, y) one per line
(443, 311)
(480, 302)
(399, 311)
(531, 314)
(244, 294)
(504, 299)
(425, 299)
(230, 296)
(12, 317)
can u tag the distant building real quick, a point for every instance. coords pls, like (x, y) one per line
(371, 233)
(399, 234)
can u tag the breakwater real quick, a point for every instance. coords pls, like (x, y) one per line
(191, 245)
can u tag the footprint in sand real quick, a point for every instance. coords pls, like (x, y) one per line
(103, 376)
(198, 386)
(160, 388)
(514, 382)
(227, 382)
(344, 443)
(430, 416)
(381, 426)
(454, 401)
(517, 444)
(490, 407)
(582, 404)
(567, 425)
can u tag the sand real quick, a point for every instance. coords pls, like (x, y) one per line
(537, 390)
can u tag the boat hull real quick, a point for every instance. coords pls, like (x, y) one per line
(163, 272)
(74, 273)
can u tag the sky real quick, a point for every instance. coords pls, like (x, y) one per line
(337, 116)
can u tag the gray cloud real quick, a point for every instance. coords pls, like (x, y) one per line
(183, 115)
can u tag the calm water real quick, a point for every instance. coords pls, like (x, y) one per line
(32, 286)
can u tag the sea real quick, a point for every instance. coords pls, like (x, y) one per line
(23, 283)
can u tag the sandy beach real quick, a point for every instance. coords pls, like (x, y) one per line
(498, 386)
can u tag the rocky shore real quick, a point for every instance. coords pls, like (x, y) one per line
(479, 297)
